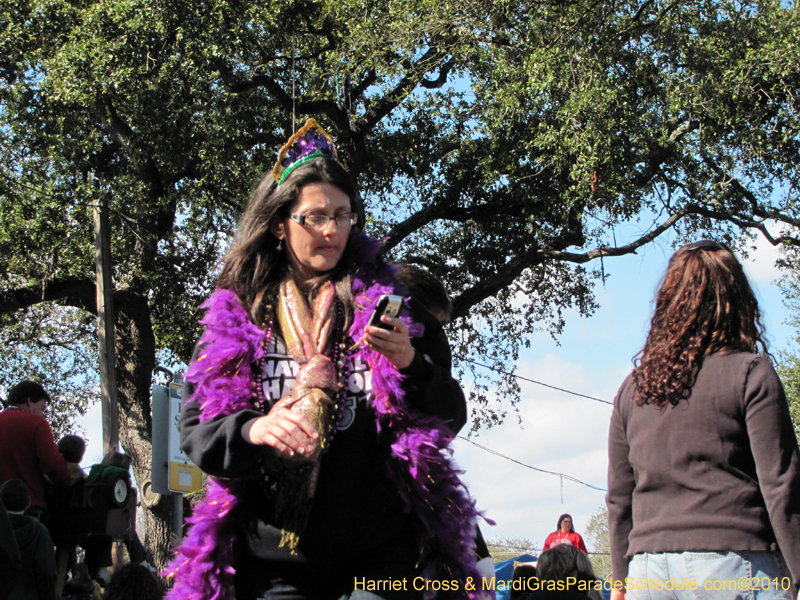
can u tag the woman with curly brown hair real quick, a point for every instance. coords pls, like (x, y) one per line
(704, 468)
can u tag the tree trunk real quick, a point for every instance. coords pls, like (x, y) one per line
(135, 347)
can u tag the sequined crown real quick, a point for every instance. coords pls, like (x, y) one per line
(309, 142)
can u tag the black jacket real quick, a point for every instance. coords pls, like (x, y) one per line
(37, 579)
(355, 511)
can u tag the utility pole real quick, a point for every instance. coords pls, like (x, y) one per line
(105, 325)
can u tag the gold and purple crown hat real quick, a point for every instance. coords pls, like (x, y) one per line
(309, 142)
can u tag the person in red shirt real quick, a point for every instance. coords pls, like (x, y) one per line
(565, 534)
(27, 448)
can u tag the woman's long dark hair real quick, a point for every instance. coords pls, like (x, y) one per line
(253, 266)
(561, 519)
(705, 304)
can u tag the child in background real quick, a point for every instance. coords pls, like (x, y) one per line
(113, 463)
(72, 448)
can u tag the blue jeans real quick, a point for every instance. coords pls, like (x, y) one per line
(710, 576)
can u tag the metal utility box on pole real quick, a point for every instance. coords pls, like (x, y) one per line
(171, 471)
(105, 325)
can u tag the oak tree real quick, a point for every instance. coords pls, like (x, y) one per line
(509, 147)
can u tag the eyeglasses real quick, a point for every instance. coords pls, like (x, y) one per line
(321, 221)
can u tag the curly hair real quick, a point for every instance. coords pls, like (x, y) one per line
(704, 305)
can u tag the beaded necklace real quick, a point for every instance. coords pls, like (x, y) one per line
(338, 358)
(420, 466)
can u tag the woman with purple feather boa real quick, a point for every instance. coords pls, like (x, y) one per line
(326, 439)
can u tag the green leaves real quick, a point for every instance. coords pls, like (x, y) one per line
(496, 143)
(54, 346)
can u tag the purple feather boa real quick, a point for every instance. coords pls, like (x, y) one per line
(422, 471)
(223, 377)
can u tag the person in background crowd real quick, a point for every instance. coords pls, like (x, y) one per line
(27, 448)
(133, 581)
(565, 534)
(564, 573)
(703, 465)
(524, 577)
(72, 448)
(10, 562)
(426, 289)
(428, 292)
(114, 463)
(37, 579)
(585, 567)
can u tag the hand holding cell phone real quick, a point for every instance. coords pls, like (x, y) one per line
(391, 340)
(387, 305)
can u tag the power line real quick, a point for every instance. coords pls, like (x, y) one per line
(564, 475)
(553, 387)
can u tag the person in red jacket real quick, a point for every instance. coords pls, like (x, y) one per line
(565, 534)
(27, 449)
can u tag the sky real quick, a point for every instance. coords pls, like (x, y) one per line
(561, 432)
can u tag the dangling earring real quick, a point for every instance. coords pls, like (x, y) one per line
(279, 247)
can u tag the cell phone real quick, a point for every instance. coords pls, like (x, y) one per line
(387, 305)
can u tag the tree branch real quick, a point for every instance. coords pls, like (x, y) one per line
(415, 73)
(757, 210)
(427, 215)
(444, 71)
(145, 168)
(536, 255)
(239, 86)
(631, 248)
(79, 292)
(760, 225)
(369, 80)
